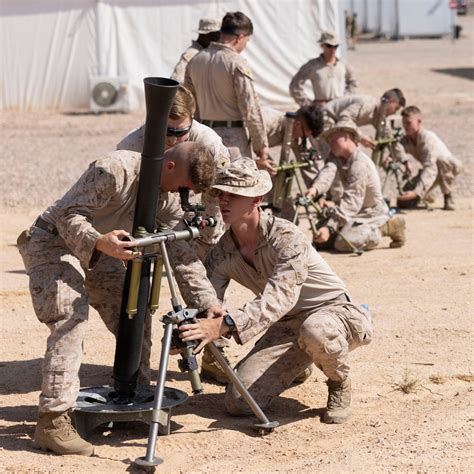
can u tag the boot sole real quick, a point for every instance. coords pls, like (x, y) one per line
(85, 452)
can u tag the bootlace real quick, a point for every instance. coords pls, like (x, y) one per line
(65, 424)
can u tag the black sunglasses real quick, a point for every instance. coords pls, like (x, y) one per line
(331, 46)
(178, 132)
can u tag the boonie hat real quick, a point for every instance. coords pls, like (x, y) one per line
(342, 126)
(208, 25)
(329, 37)
(242, 177)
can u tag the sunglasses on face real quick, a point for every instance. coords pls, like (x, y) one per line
(178, 132)
(330, 46)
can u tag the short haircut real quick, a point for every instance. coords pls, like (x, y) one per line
(313, 118)
(183, 105)
(236, 23)
(411, 110)
(202, 168)
(395, 94)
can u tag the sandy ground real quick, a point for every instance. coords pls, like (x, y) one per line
(420, 296)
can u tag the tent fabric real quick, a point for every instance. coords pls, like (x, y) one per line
(51, 49)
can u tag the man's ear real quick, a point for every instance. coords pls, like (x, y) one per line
(170, 165)
(257, 201)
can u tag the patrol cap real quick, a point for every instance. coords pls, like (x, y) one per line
(208, 25)
(242, 177)
(329, 37)
(342, 126)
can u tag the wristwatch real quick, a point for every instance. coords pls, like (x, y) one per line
(229, 322)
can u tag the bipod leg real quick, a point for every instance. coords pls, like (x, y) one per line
(265, 426)
(355, 250)
(150, 461)
(385, 181)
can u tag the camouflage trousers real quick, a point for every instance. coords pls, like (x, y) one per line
(236, 140)
(323, 336)
(61, 293)
(363, 233)
(447, 172)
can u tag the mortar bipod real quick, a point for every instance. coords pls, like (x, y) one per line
(179, 316)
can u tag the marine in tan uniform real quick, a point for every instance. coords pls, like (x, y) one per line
(439, 166)
(183, 128)
(222, 82)
(330, 77)
(208, 31)
(366, 110)
(83, 229)
(307, 126)
(302, 310)
(361, 215)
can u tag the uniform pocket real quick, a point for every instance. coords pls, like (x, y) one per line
(56, 290)
(360, 324)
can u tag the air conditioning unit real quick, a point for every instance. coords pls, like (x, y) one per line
(109, 94)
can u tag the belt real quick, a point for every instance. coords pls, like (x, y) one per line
(223, 123)
(46, 226)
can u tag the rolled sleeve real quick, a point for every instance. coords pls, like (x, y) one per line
(93, 191)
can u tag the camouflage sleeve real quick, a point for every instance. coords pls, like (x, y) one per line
(93, 190)
(250, 107)
(216, 271)
(281, 291)
(429, 170)
(325, 178)
(350, 113)
(353, 198)
(351, 81)
(189, 271)
(297, 85)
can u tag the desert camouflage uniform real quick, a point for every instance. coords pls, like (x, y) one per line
(329, 81)
(180, 68)
(439, 166)
(275, 125)
(207, 137)
(102, 200)
(222, 83)
(359, 109)
(300, 303)
(361, 210)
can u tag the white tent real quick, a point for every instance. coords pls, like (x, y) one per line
(52, 48)
(401, 18)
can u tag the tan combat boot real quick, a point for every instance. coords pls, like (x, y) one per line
(339, 402)
(395, 229)
(210, 368)
(54, 432)
(448, 202)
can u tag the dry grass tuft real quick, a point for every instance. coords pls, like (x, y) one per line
(409, 384)
(438, 379)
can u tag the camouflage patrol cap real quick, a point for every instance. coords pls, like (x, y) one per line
(242, 177)
(329, 37)
(208, 25)
(342, 126)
